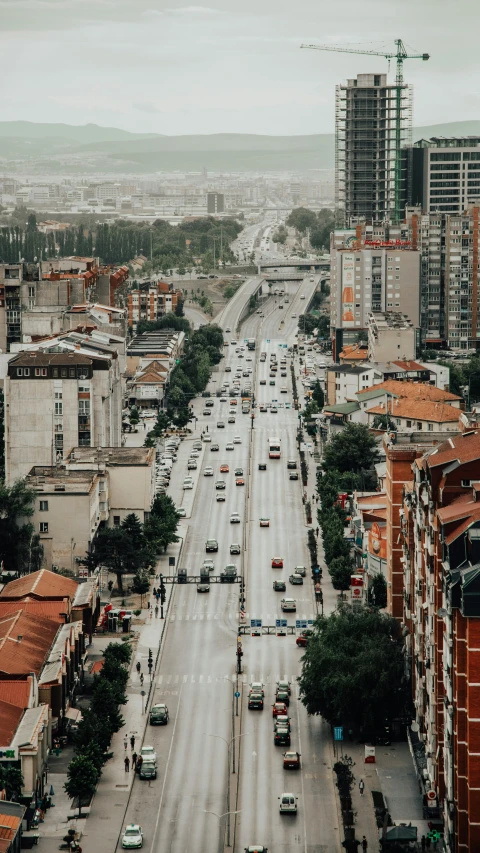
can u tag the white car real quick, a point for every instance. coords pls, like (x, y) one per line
(132, 837)
(148, 753)
(234, 518)
(181, 511)
(288, 605)
(229, 446)
(208, 472)
(237, 439)
(188, 483)
(288, 804)
(194, 454)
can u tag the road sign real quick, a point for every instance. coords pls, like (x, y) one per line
(237, 694)
(309, 621)
(300, 623)
(255, 623)
(338, 733)
(280, 623)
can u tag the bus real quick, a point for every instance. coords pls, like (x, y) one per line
(274, 448)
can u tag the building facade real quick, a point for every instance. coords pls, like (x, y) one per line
(366, 119)
(444, 174)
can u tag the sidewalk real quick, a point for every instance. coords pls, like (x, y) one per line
(107, 813)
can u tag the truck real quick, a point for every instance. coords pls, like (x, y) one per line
(251, 343)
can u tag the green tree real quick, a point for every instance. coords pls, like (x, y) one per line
(384, 422)
(16, 538)
(318, 396)
(120, 652)
(132, 526)
(82, 778)
(141, 585)
(352, 670)
(11, 781)
(160, 527)
(301, 218)
(340, 570)
(134, 416)
(457, 378)
(377, 594)
(114, 549)
(179, 310)
(323, 326)
(352, 449)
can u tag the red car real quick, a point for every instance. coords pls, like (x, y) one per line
(279, 708)
(240, 481)
(224, 469)
(291, 760)
(303, 639)
(277, 562)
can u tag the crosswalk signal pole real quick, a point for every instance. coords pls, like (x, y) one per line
(163, 595)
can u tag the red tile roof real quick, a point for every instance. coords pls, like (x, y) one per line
(410, 365)
(16, 692)
(411, 390)
(462, 448)
(419, 411)
(57, 610)
(10, 716)
(41, 584)
(28, 654)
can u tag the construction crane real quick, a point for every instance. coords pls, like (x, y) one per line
(400, 55)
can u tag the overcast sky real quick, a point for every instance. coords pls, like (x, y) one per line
(165, 66)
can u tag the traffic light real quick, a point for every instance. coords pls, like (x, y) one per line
(163, 594)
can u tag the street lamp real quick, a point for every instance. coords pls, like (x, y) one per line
(229, 744)
(219, 816)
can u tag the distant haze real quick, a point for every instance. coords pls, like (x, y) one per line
(63, 148)
(176, 67)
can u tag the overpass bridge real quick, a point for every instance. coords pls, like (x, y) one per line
(295, 264)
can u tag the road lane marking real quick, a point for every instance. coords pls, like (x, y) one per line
(166, 773)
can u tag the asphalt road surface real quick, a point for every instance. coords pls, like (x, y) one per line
(185, 807)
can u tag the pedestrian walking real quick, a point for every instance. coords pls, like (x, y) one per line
(158, 596)
(134, 760)
(127, 764)
(364, 844)
(361, 786)
(125, 742)
(132, 739)
(148, 606)
(156, 611)
(151, 614)
(139, 666)
(141, 678)
(154, 592)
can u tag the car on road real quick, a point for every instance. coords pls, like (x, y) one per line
(291, 760)
(288, 605)
(294, 315)
(279, 586)
(293, 475)
(192, 465)
(239, 472)
(279, 709)
(208, 472)
(203, 586)
(264, 522)
(196, 451)
(231, 419)
(255, 702)
(215, 447)
(296, 579)
(224, 468)
(272, 382)
(229, 575)
(262, 466)
(288, 804)
(284, 685)
(220, 424)
(228, 369)
(281, 736)
(277, 562)
(263, 407)
(206, 412)
(300, 570)
(207, 566)
(220, 498)
(159, 715)
(132, 836)
(234, 518)
(206, 437)
(235, 548)
(211, 545)
(220, 484)
(229, 446)
(148, 753)
(282, 696)
(188, 483)
(263, 381)
(303, 640)
(240, 481)
(237, 439)
(273, 410)
(257, 687)
(181, 511)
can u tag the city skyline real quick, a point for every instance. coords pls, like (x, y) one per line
(170, 67)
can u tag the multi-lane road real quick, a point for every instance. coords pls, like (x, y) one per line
(185, 808)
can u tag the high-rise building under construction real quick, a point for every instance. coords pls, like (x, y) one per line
(370, 180)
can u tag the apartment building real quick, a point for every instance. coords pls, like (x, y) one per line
(440, 536)
(96, 487)
(392, 336)
(444, 174)
(367, 116)
(152, 302)
(215, 202)
(371, 276)
(406, 414)
(58, 400)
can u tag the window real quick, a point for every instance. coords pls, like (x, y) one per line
(43, 506)
(409, 423)
(55, 372)
(44, 527)
(19, 371)
(64, 372)
(58, 395)
(419, 425)
(59, 408)
(26, 371)
(430, 427)
(466, 483)
(399, 422)
(40, 371)
(116, 521)
(72, 372)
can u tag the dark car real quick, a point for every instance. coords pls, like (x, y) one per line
(211, 545)
(281, 736)
(255, 702)
(282, 696)
(293, 475)
(279, 586)
(262, 466)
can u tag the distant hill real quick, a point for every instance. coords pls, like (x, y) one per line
(91, 148)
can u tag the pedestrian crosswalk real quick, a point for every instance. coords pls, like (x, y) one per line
(177, 679)
(265, 618)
